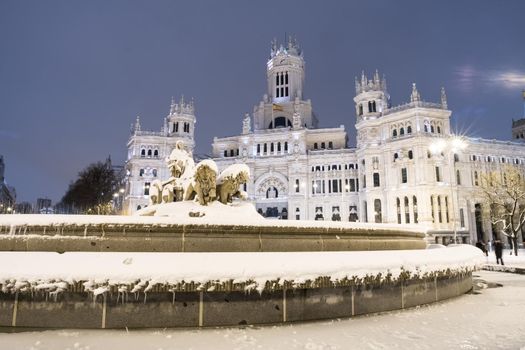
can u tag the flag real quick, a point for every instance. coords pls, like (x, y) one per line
(523, 92)
(276, 107)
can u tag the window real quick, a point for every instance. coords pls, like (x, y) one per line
(398, 206)
(439, 130)
(377, 211)
(141, 172)
(226, 153)
(440, 215)
(271, 147)
(394, 133)
(432, 128)
(139, 207)
(401, 131)
(456, 158)
(410, 154)
(352, 185)
(432, 208)
(409, 130)
(330, 145)
(335, 186)
(323, 146)
(458, 177)
(376, 180)
(364, 181)
(396, 156)
(154, 172)
(414, 209)
(156, 153)
(149, 153)
(438, 174)
(407, 211)
(278, 147)
(258, 148)
(143, 153)
(360, 109)
(365, 212)
(176, 127)
(446, 209)
(296, 185)
(476, 179)
(265, 148)
(461, 218)
(315, 145)
(146, 188)
(231, 153)
(286, 146)
(404, 177)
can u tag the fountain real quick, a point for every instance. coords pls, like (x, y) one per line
(200, 255)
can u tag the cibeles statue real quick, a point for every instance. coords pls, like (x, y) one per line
(201, 182)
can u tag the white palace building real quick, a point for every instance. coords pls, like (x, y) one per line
(407, 166)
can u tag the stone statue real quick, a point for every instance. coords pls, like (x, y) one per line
(229, 182)
(155, 192)
(203, 186)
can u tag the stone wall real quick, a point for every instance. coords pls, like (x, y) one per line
(78, 309)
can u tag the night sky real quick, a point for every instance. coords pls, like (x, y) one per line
(75, 74)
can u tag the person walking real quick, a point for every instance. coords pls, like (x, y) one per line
(498, 249)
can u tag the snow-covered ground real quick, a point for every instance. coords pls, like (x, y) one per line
(492, 319)
(508, 259)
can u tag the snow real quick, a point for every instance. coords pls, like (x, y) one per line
(232, 171)
(177, 213)
(209, 163)
(489, 320)
(100, 270)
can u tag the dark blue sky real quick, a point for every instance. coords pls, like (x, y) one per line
(75, 74)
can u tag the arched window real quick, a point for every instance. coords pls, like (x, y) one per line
(286, 146)
(414, 209)
(432, 128)
(407, 211)
(439, 130)
(265, 148)
(258, 148)
(280, 122)
(272, 192)
(156, 153)
(401, 131)
(176, 127)
(410, 154)
(409, 130)
(330, 145)
(271, 147)
(369, 106)
(456, 157)
(394, 133)
(315, 145)
(143, 152)
(360, 109)
(278, 147)
(141, 172)
(154, 172)
(398, 205)
(226, 153)
(377, 211)
(323, 145)
(232, 152)
(149, 153)
(396, 156)
(374, 106)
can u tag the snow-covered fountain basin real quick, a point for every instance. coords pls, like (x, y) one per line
(117, 290)
(213, 228)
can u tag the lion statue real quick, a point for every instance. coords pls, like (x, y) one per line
(155, 192)
(203, 186)
(230, 181)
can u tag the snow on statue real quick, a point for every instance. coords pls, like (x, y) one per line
(200, 183)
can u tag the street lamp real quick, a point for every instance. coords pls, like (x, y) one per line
(453, 145)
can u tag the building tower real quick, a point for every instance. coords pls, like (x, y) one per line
(371, 97)
(284, 97)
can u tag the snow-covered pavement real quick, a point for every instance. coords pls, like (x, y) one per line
(492, 319)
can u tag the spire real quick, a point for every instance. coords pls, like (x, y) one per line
(376, 78)
(246, 124)
(173, 106)
(356, 86)
(137, 124)
(444, 103)
(415, 97)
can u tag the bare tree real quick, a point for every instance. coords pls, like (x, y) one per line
(504, 191)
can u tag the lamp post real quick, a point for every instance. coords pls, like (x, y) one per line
(452, 146)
